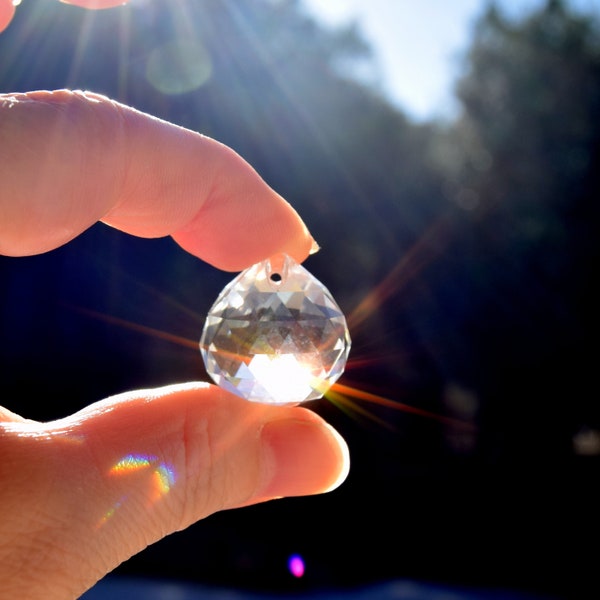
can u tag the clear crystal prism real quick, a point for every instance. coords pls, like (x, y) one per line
(275, 335)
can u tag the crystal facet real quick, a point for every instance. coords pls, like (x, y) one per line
(275, 335)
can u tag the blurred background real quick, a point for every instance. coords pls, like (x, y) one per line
(459, 237)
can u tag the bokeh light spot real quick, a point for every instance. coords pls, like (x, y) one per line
(178, 67)
(296, 565)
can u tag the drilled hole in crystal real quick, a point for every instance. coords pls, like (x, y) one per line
(276, 337)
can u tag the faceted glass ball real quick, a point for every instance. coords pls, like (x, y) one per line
(275, 335)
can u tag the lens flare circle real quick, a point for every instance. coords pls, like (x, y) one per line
(179, 67)
(296, 566)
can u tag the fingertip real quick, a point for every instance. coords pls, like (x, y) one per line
(7, 12)
(242, 207)
(302, 457)
(251, 247)
(344, 462)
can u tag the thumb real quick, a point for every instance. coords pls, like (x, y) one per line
(89, 491)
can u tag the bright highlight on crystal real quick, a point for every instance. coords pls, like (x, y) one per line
(275, 335)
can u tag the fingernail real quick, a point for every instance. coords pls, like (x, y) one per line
(314, 247)
(301, 458)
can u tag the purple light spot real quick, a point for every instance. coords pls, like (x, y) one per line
(296, 565)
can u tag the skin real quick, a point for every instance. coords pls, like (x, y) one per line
(74, 503)
(7, 9)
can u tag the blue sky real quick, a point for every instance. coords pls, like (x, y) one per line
(419, 43)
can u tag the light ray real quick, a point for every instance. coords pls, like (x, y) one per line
(342, 390)
(339, 394)
(81, 45)
(281, 81)
(165, 299)
(422, 253)
(367, 361)
(352, 409)
(151, 331)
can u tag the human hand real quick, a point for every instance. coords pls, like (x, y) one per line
(82, 494)
(7, 8)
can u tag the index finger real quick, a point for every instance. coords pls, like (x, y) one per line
(70, 159)
(7, 11)
(7, 8)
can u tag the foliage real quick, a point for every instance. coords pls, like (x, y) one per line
(531, 97)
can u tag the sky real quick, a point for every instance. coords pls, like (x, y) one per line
(418, 43)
